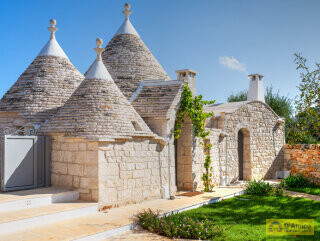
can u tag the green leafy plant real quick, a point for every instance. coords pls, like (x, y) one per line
(263, 188)
(306, 125)
(240, 96)
(258, 187)
(277, 190)
(179, 225)
(193, 106)
(295, 182)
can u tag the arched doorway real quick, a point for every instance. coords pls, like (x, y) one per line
(244, 155)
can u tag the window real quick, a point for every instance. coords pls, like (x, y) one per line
(136, 126)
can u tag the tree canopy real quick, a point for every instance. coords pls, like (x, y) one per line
(305, 127)
(282, 105)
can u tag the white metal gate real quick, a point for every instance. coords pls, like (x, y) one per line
(19, 166)
(25, 162)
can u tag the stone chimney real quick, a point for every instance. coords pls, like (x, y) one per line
(256, 91)
(188, 76)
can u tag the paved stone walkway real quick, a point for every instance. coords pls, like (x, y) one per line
(114, 218)
(140, 235)
(303, 195)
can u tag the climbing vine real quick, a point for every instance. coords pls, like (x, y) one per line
(193, 106)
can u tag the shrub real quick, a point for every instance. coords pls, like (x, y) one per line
(258, 188)
(263, 188)
(178, 225)
(277, 190)
(296, 182)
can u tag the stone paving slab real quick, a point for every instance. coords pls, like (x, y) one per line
(303, 195)
(111, 219)
(140, 235)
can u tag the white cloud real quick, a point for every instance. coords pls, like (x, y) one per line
(232, 63)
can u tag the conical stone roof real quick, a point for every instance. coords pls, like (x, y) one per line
(44, 86)
(129, 60)
(98, 110)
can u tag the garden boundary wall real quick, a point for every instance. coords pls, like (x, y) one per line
(303, 159)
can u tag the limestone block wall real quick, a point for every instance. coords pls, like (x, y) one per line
(185, 156)
(75, 165)
(266, 139)
(191, 158)
(165, 129)
(217, 159)
(113, 173)
(133, 171)
(303, 160)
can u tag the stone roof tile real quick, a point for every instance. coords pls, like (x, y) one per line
(156, 98)
(42, 88)
(129, 60)
(98, 110)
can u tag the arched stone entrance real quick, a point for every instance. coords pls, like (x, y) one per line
(244, 154)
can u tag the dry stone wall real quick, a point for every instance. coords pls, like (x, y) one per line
(263, 145)
(75, 165)
(133, 171)
(266, 139)
(303, 160)
(114, 173)
(184, 156)
(191, 158)
(217, 159)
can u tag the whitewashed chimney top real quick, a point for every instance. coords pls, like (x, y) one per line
(256, 90)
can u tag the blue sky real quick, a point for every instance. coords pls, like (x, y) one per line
(248, 36)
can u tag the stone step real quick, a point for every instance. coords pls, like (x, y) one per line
(16, 220)
(35, 198)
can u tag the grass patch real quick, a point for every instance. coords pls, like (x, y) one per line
(300, 184)
(239, 218)
(310, 190)
(245, 219)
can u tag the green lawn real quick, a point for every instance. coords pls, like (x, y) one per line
(309, 190)
(245, 217)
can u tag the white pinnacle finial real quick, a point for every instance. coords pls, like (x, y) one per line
(98, 70)
(127, 11)
(53, 29)
(99, 50)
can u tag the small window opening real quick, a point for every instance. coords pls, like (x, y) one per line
(136, 126)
